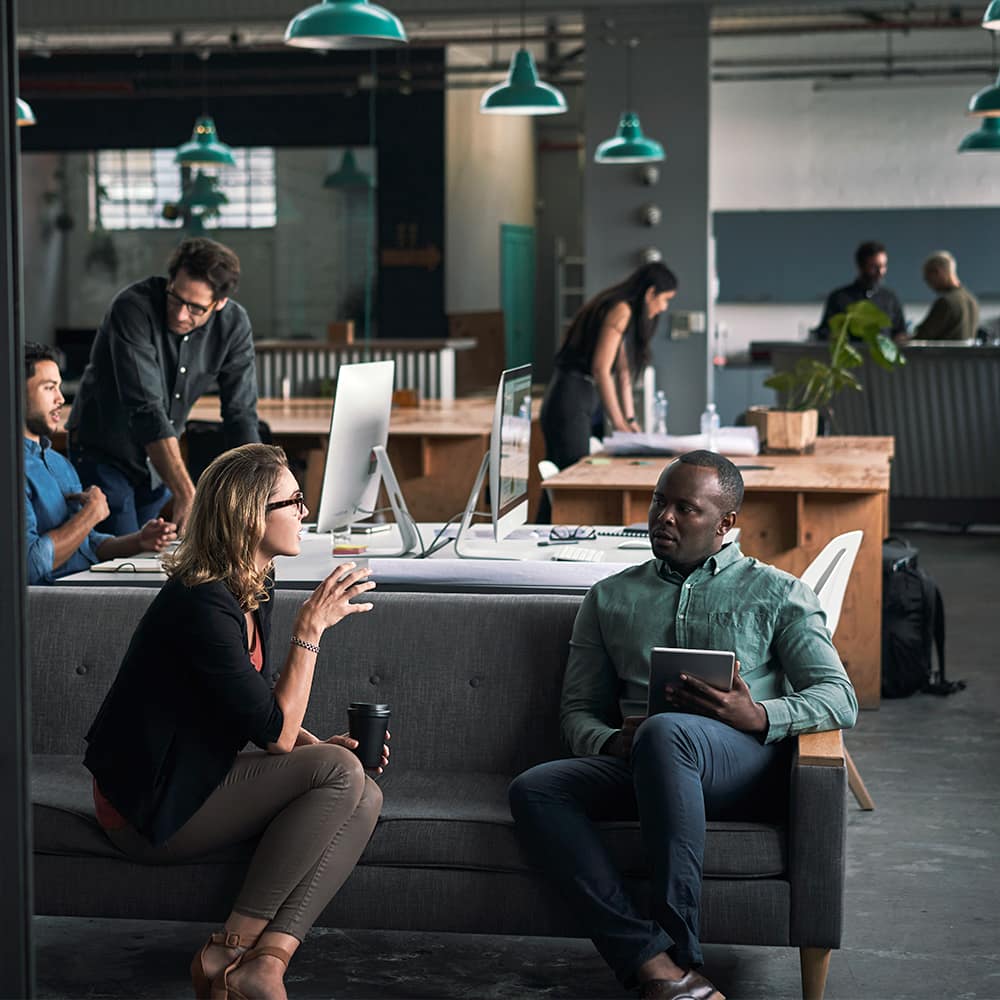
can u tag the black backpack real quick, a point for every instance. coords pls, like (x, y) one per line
(912, 626)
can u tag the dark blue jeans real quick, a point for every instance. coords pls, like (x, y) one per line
(684, 769)
(131, 505)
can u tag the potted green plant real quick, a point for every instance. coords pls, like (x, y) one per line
(812, 384)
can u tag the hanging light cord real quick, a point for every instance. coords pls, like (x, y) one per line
(629, 46)
(370, 234)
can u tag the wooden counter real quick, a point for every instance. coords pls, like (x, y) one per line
(791, 509)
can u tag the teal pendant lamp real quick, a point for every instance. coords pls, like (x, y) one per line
(522, 93)
(991, 19)
(204, 148)
(345, 24)
(25, 116)
(348, 175)
(629, 145)
(985, 140)
(985, 103)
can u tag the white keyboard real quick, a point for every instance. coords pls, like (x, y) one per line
(576, 553)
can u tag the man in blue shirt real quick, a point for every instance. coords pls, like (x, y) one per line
(60, 515)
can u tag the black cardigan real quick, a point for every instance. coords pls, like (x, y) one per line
(185, 702)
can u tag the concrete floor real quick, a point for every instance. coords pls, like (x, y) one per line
(922, 884)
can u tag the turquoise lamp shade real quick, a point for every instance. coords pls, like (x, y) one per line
(986, 139)
(629, 145)
(25, 116)
(991, 19)
(345, 24)
(986, 102)
(204, 149)
(348, 175)
(522, 93)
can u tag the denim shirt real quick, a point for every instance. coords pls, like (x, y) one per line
(48, 478)
(770, 619)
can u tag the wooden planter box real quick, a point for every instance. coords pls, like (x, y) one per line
(784, 431)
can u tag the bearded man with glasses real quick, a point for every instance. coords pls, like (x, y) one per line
(163, 343)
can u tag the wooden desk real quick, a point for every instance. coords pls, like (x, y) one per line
(435, 448)
(790, 511)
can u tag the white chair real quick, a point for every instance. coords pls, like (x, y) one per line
(547, 468)
(828, 574)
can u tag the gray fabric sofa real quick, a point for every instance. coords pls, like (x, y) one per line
(474, 684)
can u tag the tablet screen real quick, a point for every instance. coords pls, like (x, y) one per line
(667, 663)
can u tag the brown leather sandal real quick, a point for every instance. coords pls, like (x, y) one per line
(226, 939)
(221, 990)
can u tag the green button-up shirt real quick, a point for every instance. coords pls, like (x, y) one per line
(770, 619)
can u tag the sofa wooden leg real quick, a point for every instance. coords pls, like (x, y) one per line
(814, 962)
(857, 783)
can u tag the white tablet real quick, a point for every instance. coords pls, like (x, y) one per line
(666, 664)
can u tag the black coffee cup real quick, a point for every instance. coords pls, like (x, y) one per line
(368, 722)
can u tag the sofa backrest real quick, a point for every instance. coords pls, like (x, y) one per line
(473, 680)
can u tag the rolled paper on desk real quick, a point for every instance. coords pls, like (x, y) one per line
(728, 441)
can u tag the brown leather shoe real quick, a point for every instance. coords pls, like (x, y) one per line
(693, 986)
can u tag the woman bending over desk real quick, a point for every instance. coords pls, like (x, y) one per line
(171, 779)
(605, 344)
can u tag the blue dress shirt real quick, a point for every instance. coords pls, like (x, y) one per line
(48, 479)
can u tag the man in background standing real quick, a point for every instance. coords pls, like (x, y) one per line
(163, 343)
(954, 314)
(873, 262)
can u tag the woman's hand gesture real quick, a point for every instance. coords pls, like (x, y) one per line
(331, 601)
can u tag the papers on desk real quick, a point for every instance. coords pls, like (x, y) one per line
(728, 441)
(130, 565)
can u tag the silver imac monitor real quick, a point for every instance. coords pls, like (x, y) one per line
(508, 462)
(356, 459)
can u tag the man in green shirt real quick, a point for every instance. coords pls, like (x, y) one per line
(954, 314)
(715, 754)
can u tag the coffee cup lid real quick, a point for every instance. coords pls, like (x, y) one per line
(375, 708)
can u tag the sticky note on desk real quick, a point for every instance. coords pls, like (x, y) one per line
(598, 461)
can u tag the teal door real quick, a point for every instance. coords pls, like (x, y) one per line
(517, 292)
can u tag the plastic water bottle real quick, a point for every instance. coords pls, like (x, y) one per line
(660, 412)
(710, 427)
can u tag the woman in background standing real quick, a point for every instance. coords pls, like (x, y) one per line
(605, 344)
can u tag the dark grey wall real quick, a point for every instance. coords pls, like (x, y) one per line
(800, 256)
(671, 95)
(559, 194)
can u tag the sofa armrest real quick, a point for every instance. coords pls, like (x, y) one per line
(821, 749)
(817, 834)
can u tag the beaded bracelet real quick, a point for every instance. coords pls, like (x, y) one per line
(311, 646)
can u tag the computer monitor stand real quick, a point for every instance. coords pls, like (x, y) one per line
(408, 533)
(482, 549)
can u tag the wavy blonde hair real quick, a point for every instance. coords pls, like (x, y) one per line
(227, 523)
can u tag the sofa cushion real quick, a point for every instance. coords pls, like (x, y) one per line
(462, 820)
(62, 800)
(430, 819)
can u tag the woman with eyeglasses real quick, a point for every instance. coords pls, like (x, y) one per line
(172, 780)
(606, 344)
